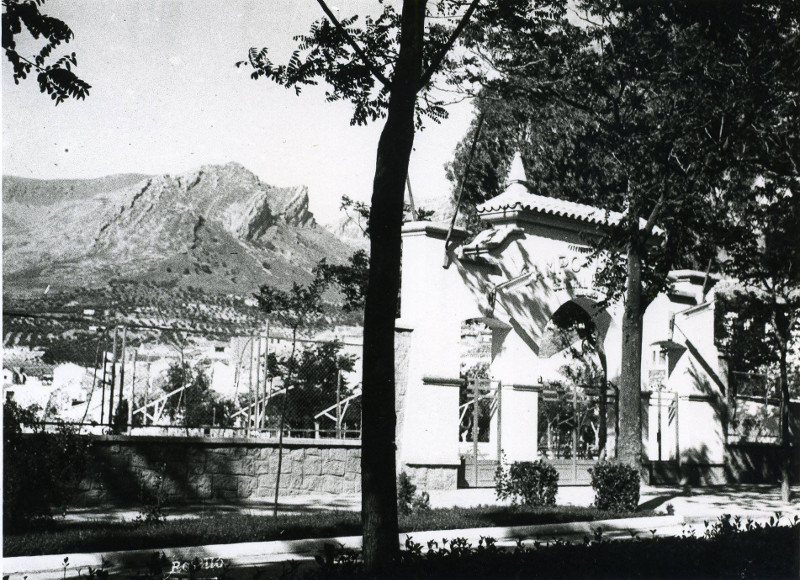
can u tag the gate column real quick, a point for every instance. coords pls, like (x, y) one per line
(428, 431)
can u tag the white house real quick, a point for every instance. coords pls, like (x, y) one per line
(511, 279)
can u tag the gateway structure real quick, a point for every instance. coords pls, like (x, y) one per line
(491, 311)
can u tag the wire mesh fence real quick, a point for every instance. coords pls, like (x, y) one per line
(754, 408)
(163, 381)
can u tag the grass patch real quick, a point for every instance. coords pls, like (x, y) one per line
(59, 537)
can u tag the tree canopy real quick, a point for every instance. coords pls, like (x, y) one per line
(54, 75)
(663, 111)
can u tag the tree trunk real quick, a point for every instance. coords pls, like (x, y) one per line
(378, 472)
(629, 444)
(786, 443)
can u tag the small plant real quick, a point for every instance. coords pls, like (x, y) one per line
(670, 509)
(153, 499)
(408, 500)
(533, 483)
(616, 486)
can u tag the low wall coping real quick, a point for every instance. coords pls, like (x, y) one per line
(536, 388)
(222, 441)
(443, 381)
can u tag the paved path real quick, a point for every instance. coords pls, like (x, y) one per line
(742, 499)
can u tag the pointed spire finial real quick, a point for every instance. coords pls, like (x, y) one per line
(517, 180)
(517, 171)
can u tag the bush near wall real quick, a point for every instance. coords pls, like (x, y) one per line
(532, 483)
(616, 486)
(40, 470)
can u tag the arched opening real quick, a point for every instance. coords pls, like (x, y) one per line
(573, 415)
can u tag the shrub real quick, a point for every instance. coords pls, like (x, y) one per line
(616, 486)
(40, 469)
(534, 483)
(408, 500)
(153, 499)
(739, 554)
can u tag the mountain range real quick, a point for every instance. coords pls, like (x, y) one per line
(218, 229)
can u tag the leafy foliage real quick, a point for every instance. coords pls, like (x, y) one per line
(314, 384)
(55, 77)
(197, 405)
(351, 59)
(301, 307)
(356, 60)
(584, 92)
(153, 499)
(761, 313)
(534, 483)
(616, 486)
(40, 469)
(743, 328)
(352, 278)
(736, 553)
(408, 500)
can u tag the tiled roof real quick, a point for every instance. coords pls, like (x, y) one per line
(518, 198)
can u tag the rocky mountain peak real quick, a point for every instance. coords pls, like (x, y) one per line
(217, 218)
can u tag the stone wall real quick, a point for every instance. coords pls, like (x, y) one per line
(402, 344)
(433, 477)
(194, 469)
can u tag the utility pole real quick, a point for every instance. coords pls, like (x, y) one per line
(133, 392)
(113, 379)
(250, 384)
(338, 402)
(258, 383)
(103, 395)
(266, 374)
(122, 366)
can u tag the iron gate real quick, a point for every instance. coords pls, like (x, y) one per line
(569, 432)
(480, 413)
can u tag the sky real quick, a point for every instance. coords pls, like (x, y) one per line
(166, 97)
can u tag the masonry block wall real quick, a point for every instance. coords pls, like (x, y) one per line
(125, 470)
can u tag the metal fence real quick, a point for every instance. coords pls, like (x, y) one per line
(754, 408)
(145, 380)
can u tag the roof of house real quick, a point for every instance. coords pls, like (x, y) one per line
(518, 198)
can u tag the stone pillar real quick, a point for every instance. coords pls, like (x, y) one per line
(431, 423)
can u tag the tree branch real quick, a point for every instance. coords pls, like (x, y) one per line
(651, 220)
(373, 68)
(437, 60)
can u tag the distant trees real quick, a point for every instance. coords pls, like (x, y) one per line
(55, 77)
(197, 405)
(313, 386)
